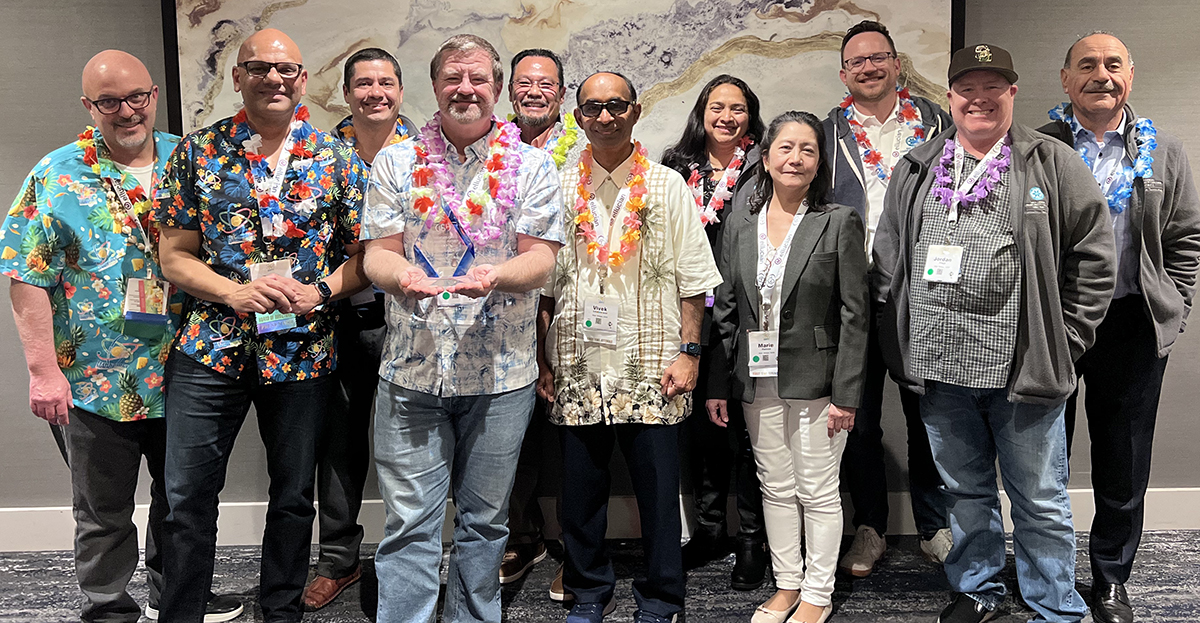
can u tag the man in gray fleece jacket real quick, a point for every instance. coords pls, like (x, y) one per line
(994, 265)
(1155, 213)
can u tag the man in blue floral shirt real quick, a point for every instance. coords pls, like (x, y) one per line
(257, 213)
(461, 229)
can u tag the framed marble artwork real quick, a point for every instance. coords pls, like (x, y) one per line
(788, 51)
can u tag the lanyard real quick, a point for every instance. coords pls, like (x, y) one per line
(603, 239)
(771, 261)
(468, 257)
(271, 186)
(131, 213)
(960, 156)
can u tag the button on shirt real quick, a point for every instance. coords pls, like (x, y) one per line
(488, 346)
(1108, 163)
(887, 137)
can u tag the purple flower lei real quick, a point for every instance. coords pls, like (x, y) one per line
(506, 145)
(943, 185)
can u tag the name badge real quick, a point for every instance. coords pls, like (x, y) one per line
(944, 263)
(764, 353)
(709, 299)
(146, 300)
(600, 321)
(277, 320)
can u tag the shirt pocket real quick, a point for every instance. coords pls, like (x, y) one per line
(991, 271)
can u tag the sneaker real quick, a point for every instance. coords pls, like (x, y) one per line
(936, 549)
(518, 559)
(965, 610)
(220, 608)
(591, 613)
(557, 592)
(640, 616)
(866, 550)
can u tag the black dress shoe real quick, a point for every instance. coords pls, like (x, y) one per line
(702, 548)
(750, 568)
(1110, 603)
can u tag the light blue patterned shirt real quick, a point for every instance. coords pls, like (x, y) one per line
(487, 347)
(1108, 162)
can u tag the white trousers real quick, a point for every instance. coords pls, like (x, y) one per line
(798, 467)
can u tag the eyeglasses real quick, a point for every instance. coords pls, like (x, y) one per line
(260, 69)
(110, 105)
(877, 59)
(546, 86)
(614, 107)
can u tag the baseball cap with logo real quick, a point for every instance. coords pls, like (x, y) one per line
(982, 56)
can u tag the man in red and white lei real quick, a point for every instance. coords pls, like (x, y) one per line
(462, 226)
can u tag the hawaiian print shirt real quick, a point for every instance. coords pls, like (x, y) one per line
(482, 348)
(345, 131)
(621, 384)
(208, 187)
(66, 232)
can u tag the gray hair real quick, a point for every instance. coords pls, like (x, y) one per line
(461, 44)
(1128, 54)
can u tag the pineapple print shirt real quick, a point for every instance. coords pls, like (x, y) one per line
(66, 232)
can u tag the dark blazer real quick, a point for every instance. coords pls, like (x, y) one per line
(823, 321)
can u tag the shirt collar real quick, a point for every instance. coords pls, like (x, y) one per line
(866, 120)
(618, 175)
(476, 151)
(1109, 136)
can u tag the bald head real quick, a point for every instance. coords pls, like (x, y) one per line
(114, 69)
(121, 98)
(268, 96)
(269, 42)
(1104, 39)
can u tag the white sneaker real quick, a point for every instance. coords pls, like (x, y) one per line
(936, 549)
(866, 550)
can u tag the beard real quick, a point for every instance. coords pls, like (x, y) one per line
(132, 140)
(535, 121)
(471, 114)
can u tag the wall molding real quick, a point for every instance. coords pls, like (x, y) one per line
(241, 523)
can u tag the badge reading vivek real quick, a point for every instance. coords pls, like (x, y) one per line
(274, 321)
(146, 300)
(600, 321)
(764, 353)
(944, 263)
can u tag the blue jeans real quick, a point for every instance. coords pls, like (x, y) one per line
(426, 447)
(968, 429)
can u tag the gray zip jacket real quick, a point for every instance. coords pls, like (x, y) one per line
(1065, 243)
(1165, 212)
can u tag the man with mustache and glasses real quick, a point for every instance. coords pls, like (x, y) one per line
(462, 226)
(618, 349)
(374, 91)
(1155, 214)
(536, 91)
(259, 214)
(994, 265)
(77, 239)
(868, 133)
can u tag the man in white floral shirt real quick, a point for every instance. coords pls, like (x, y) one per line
(620, 356)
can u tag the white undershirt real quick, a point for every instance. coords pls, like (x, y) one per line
(144, 175)
(885, 138)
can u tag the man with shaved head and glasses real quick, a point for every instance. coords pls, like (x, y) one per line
(259, 214)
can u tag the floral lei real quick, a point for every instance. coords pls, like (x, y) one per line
(908, 115)
(943, 185)
(562, 143)
(431, 178)
(585, 220)
(1118, 196)
(137, 196)
(300, 143)
(724, 189)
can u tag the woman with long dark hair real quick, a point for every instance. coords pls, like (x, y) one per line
(791, 316)
(718, 144)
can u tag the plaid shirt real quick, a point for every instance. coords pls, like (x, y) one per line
(965, 333)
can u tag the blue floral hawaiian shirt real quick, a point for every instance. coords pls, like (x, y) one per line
(67, 232)
(482, 348)
(208, 187)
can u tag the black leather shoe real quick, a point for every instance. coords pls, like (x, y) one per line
(750, 568)
(1110, 603)
(703, 548)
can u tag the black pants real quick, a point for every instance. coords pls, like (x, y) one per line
(204, 411)
(525, 519)
(715, 455)
(863, 469)
(1124, 379)
(105, 457)
(652, 455)
(344, 451)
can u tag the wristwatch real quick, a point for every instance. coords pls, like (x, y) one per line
(324, 291)
(690, 348)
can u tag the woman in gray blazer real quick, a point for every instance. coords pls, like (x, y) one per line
(792, 321)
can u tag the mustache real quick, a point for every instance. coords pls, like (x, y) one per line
(1108, 86)
(134, 118)
(464, 99)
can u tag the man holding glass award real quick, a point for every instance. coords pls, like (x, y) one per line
(461, 229)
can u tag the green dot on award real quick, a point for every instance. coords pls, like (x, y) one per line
(446, 296)
(756, 359)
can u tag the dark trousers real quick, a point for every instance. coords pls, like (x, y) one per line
(105, 456)
(652, 455)
(525, 519)
(715, 455)
(344, 451)
(863, 470)
(1124, 379)
(204, 411)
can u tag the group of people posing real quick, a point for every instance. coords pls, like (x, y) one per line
(479, 284)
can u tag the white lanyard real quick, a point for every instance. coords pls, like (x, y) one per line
(973, 178)
(618, 203)
(771, 261)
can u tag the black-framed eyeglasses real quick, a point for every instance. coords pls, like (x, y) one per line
(877, 59)
(546, 86)
(110, 105)
(615, 107)
(260, 69)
